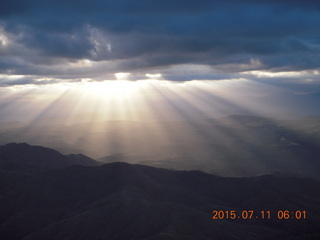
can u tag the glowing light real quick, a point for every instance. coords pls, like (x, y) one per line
(276, 74)
(11, 76)
(153, 76)
(3, 38)
(110, 88)
(122, 75)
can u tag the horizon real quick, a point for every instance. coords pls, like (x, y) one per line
(179, 55)
(64, 63)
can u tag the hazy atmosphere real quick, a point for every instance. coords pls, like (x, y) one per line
(159, 119)
(145, 79)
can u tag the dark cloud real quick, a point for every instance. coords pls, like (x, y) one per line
(50, 37)
(7, 81)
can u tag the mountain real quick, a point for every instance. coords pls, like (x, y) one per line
(22, 157)
(125, 201)
(122, 158)
(237, 145)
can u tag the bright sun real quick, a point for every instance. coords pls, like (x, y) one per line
(117, 88)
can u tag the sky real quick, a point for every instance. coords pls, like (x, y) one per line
(45, 45)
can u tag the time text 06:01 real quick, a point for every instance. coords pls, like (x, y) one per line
(251, 214)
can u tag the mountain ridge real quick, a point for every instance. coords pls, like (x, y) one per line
(24, 157)
(131, 201)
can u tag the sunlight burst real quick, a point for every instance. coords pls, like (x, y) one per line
(117, 88)
(122, 75)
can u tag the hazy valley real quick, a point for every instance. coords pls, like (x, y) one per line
(238, 145)
(44, 194)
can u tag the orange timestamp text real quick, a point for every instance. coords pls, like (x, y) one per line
(251, 214)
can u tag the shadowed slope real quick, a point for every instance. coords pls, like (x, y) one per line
(25, 158)
(123, 201)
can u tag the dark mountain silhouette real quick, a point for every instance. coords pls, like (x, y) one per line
(22, 157)
(237, 145)
(125, 201)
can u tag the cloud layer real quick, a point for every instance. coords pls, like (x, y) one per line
(181, 40)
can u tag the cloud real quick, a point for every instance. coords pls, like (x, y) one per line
(16, 80)
(55, 38)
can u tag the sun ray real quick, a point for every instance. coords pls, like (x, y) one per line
(163, 121)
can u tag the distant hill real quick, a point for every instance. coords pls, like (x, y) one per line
(25, 158)
(237, 145)
(124, 201)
